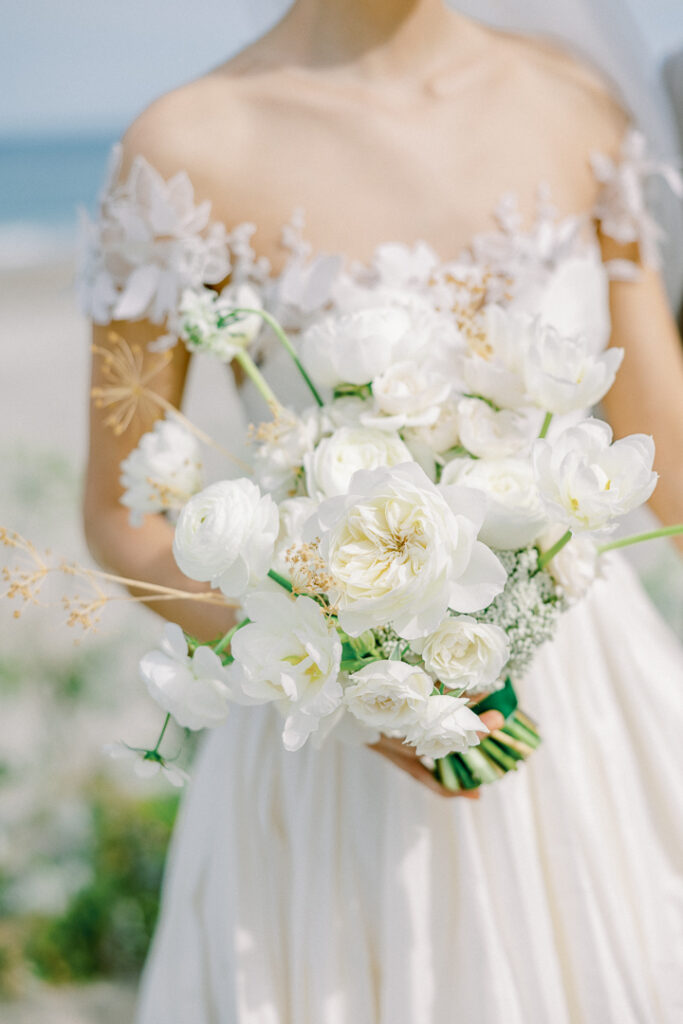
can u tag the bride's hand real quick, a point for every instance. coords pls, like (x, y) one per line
(405, 757)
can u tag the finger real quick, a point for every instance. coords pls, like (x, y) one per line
(492, 720)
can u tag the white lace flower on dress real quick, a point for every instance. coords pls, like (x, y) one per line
(150, 242)
(621, 206)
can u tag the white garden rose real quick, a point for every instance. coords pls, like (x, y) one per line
(445, 726)
(407, 394)
(162, 472)
(515, 514)
(281, 447)
(586, 481)
(464, 654)
(575, 567)
(289, 654)
(226, 535)
(495, 434)
(563, 374)
(202, 313)
(494, 366)
(194, 690)
(355, 347)
(330, 467)
(401, 552)
(387, 695)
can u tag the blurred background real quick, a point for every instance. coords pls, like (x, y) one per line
(82, 843)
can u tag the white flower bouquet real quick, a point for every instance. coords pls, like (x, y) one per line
(408, 541)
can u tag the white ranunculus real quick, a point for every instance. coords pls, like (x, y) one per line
(293, 512)
(445, 726)
(575, 567)
(586, 481)
(162, 472)
(562, 374)
(226, 535)
(401, 552)
(289, 654)
(330, 467)
(282, 446)
(465, 654)
(387, 695)
(495, 434)
(194, 690)
(406, 394)
(494, 367)
(515, 514)
(355, 347)
(201, 314)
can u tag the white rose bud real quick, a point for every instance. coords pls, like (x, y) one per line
(575, 567)
(387, 695)
(445, 726)
(515, 514)
(226, 536)
(586, 481)
(162, 472)
(330, 467)
(465, 654)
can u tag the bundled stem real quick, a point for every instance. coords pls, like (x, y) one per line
(286, 344)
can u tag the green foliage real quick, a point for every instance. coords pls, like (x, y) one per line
(108, 925)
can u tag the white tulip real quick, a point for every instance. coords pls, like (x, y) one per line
(201, 312)
(226, 535)
(401, 552)
(162, 472)
(494, 367)
(495, 434)
(575, 567)
(562, 374)
(193, 690)
(464, 654)
(354, 348)
(445, 726)
(289, 654)
(586, 481)
(515, 514)
(330, 467)
(387, 695)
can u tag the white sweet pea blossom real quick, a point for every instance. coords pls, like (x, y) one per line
(226, 535)
(445, 726)
(194, 690)
(401, 552)
(586, 481)
(495, 434)
(406, 394)
(289, 655)
(575, 567)
(203, 311)
(563, 374)
(387, 695)
(515, 514)
(330, 467)
(146, 767)
(354, 348)
(162, 472)
(464, 654)
(282, 447)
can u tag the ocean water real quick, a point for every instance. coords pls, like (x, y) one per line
(43, 181)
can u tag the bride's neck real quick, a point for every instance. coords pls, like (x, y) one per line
(378, 37)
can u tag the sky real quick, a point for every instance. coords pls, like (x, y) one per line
(92, 65)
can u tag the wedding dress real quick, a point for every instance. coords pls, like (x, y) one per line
(326, 886)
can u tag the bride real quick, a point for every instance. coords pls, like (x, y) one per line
(333, 886)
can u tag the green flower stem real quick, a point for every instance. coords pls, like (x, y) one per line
(624, 542)
(225, 640)
(546, 424)
(280, 579)
(287, 345)
(161, 734)
(252, 371)
(548, 555)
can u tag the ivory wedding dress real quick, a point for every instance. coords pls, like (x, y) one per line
(326, 886)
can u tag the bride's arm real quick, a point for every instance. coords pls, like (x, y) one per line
(647, 396)
(142, 552)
